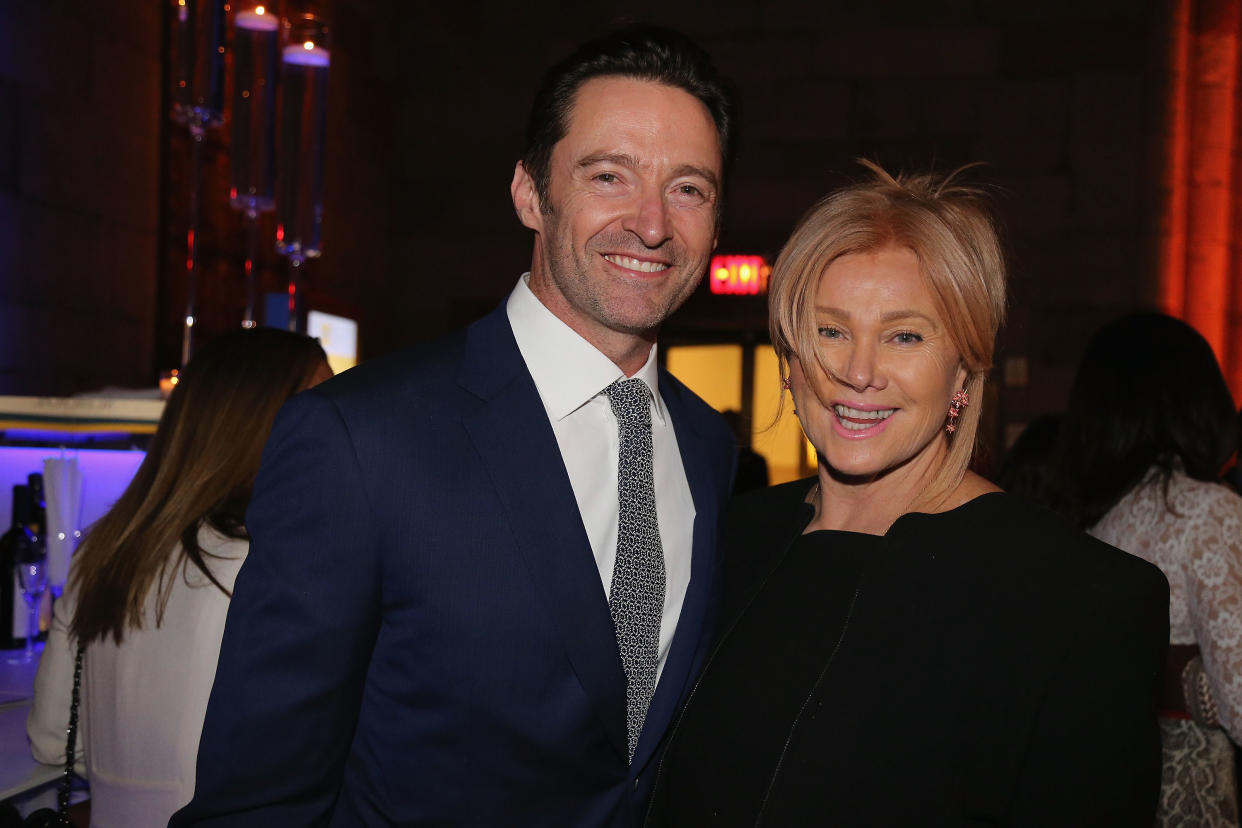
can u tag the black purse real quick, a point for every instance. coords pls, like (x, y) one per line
(46, 817)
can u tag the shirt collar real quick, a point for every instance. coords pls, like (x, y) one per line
(568, 371)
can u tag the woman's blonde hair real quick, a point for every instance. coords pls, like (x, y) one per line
(199, 469)
(950, 228)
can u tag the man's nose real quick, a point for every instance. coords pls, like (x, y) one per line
(649, 218)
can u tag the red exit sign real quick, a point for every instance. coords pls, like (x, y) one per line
(739, 275)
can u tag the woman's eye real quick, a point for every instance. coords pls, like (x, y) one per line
(829, 332)
(908, 338)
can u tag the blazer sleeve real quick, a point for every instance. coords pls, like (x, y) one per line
(1094, 755)
(300, 631)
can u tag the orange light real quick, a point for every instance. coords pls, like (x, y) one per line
(1199, 268)
(739, 275)
(308, 45)
(260, 10)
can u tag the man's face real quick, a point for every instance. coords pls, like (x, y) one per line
(630, 218)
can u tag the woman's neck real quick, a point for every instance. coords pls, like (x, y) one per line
(872, 505)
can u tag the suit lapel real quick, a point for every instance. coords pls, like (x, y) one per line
(693, 626)
(520, 453)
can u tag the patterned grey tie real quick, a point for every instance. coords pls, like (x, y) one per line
(636, 599)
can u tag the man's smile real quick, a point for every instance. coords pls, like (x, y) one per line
(630, 263)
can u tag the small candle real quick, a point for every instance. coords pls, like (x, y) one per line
(299, 55)
(256, 21)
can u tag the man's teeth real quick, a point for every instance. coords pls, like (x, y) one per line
(872, 417)
(635, 264)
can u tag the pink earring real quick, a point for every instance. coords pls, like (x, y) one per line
(960, 400)
(785, 383)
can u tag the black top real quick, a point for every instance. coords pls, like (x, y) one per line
(985, 665)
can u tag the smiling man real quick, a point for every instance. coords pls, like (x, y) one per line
(482, 572)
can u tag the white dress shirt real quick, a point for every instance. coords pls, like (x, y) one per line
(570, 375)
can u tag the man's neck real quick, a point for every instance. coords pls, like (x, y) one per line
(628, 351)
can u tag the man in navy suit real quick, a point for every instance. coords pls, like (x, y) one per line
(422, 634)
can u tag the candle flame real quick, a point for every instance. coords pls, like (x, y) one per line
(259, 10)
(308, 45)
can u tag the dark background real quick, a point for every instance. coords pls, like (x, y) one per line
(427, 103)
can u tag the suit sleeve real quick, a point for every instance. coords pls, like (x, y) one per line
(1094, 756)
(301, 628)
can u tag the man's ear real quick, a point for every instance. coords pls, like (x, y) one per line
(526, 199)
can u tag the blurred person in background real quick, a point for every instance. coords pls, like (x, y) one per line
(1026, 468)
(150, 586)
(1150, 425)
(752, 467)
(902, 642)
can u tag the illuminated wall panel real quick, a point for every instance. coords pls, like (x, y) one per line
(714, 372)
(782, 444)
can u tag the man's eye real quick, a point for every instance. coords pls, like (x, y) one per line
(606, 178)
(690, 190)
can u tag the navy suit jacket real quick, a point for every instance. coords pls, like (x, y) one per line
(420, 635)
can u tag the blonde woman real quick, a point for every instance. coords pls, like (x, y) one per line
(902, 643)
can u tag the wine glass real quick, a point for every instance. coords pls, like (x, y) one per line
(32, 577)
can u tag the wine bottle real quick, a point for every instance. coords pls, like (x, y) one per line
(15, 546)
(36, 530)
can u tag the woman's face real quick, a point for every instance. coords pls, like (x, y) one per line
(893, 368)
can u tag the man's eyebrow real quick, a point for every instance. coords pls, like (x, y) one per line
(619, 158)
(706, 175)
(624, 160)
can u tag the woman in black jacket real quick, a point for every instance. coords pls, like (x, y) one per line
(901, 643)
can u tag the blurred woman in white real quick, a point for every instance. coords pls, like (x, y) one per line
(1150, 425)
(149, 588)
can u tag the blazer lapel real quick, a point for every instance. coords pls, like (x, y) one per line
(519, 450)
(697, 610)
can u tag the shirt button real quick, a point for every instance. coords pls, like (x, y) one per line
(635, 784)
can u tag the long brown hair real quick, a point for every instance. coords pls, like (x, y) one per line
(199, 469)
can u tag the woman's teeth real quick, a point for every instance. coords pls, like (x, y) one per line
(848, 417)
(636, 264)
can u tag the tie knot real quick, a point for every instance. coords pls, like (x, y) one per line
(631, 400)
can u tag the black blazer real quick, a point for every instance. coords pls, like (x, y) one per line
(998, 667)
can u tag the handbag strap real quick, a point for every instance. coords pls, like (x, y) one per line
(66, 780)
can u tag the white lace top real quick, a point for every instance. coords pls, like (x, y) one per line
(1198, 546)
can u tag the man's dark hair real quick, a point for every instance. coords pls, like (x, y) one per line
(646, 53)
(1149, 397)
